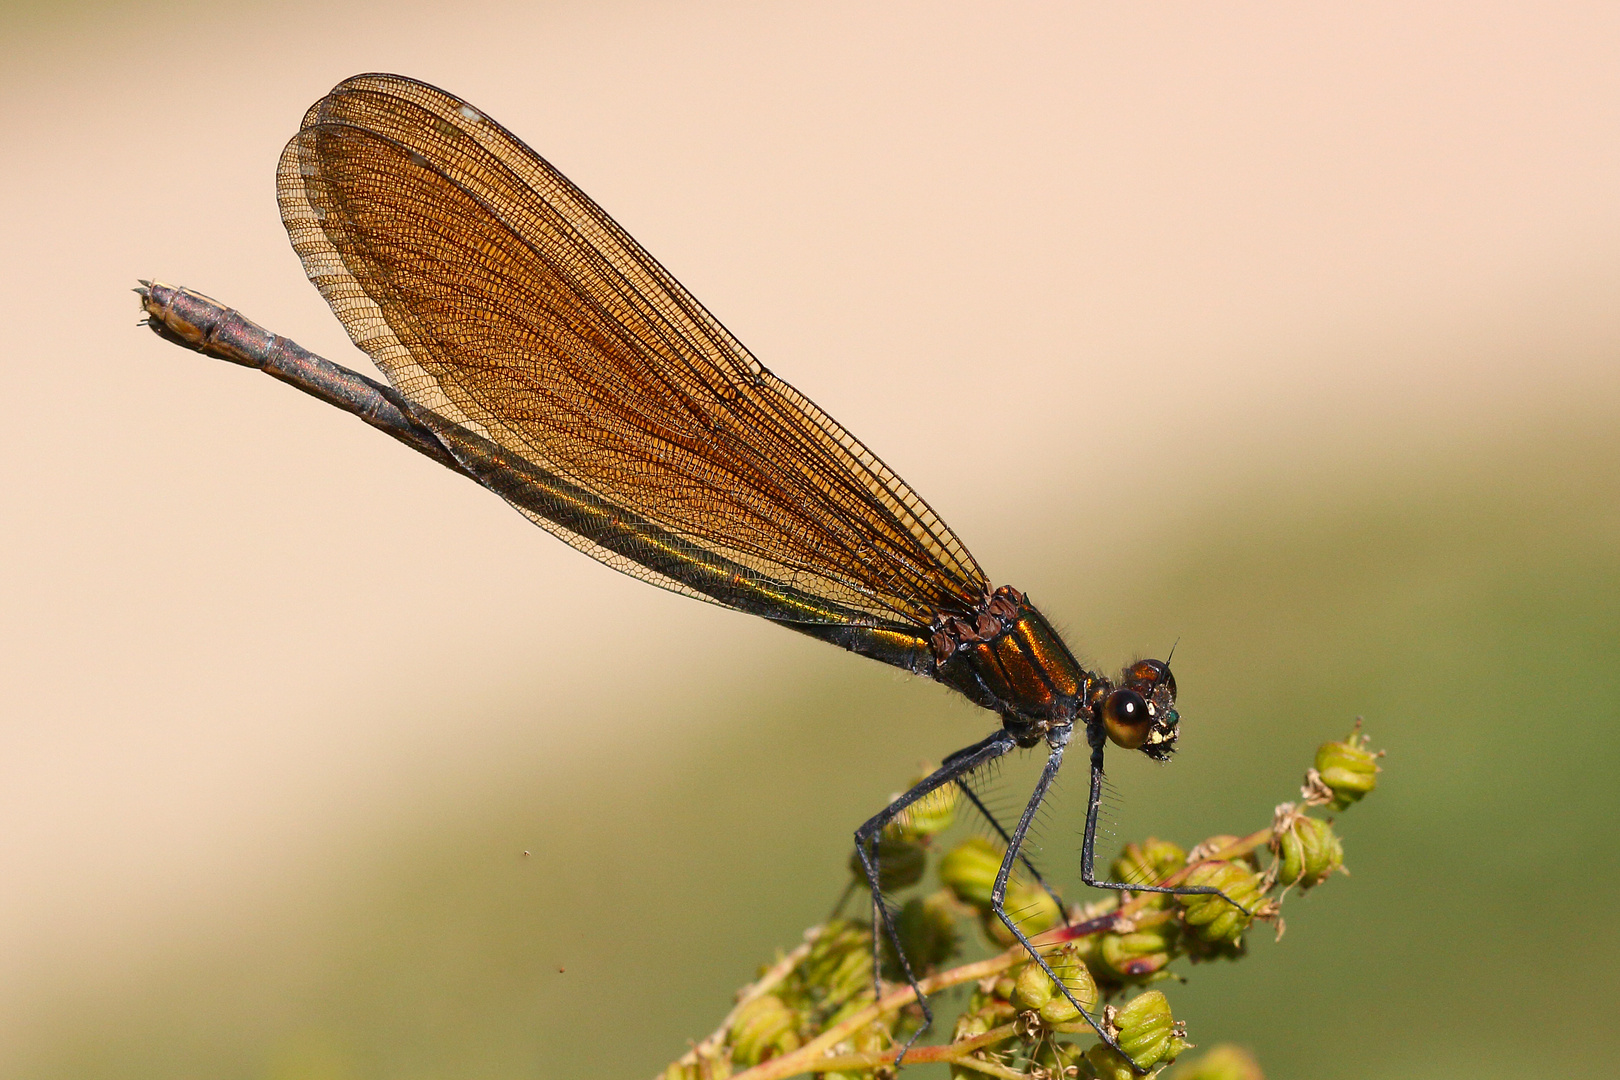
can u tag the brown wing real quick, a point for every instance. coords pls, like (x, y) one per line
(502, 301)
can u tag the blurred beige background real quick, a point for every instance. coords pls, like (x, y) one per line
(1265, 254)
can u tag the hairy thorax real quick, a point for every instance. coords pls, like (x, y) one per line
(1008, 658)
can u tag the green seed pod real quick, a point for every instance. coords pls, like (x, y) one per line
(1348, 769)
(764, 1028)
(1323, 851)
(967, 1026)
(1148, 863)
(1035, 990)
(1147, 1031)
(901, 862)
(837, 969)
(1030, 906)
(1108, 1064)
(1307, 852)
(933, 813)
(1033, 987)
(1290, 855)
(1137, 956)
(927, 930)
(1076, 978)
(1222, 1062)
(715, 1066)
(1210, 917)
(969, 870)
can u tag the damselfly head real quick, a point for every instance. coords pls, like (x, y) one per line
(1140, 713)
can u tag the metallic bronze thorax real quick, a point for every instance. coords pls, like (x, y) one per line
(1009, 658)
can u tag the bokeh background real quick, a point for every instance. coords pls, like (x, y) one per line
(1287, 331)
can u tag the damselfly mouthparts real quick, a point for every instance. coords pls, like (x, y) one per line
(533, 346)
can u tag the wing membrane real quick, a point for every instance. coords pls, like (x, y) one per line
(526, 326)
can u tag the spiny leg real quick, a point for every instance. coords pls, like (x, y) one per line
(955, 767)
(984, 811)
(1059, 741)
(1088, 849)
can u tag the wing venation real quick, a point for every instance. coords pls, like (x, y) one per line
(502, 301)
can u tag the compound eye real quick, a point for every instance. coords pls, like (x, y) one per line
(1127, 718)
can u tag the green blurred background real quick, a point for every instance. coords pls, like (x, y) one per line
(1468, 613)
(1289, 338)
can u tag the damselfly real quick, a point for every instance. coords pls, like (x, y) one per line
(533, 346)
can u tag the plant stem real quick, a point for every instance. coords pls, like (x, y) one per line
(956, 1052)
(770, 980)
(813, 1056)
(810, 1057)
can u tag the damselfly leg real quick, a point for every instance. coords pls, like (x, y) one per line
(867, 837)
(1088, 849)
(1006, 838)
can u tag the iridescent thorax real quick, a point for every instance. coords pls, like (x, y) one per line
(1011, 660)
